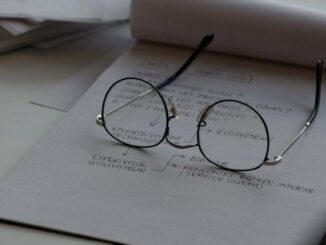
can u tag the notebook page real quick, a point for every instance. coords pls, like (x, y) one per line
(78, 180)
(271, 30)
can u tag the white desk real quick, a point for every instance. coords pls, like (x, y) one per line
(23, 75)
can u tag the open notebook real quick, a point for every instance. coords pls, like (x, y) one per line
(78, 180)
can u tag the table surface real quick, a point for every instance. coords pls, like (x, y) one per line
(25, 74)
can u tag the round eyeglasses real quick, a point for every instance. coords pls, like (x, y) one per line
(230, 134)
(136, 114)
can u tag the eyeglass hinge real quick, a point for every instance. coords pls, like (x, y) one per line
(99, 120)
(275, 161)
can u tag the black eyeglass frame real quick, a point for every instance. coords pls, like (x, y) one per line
(203, 44)
(168, 118)
(202, 122)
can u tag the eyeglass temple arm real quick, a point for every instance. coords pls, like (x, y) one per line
(319, 74)
(99, 119)
(311, 118)
(207, 39)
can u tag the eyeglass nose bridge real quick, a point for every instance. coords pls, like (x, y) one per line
(174, 112)
(173, 108)
(176, 145)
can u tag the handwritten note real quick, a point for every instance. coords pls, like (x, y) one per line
(79, 180)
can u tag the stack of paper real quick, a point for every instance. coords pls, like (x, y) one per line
(46, 24)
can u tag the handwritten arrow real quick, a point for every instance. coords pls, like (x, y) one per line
(153, 123)
(169, 163)
(126, 152)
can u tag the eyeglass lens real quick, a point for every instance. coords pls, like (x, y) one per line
(233, 135)
(134, 113)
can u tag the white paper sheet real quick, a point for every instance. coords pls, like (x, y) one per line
(52, 43)
(78, 180)
(111, 42)
(65, 94)
(46, 32)
(72, 10)
(17, 27)
(265, 29)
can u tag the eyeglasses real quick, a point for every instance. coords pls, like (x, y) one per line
(135, 113)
